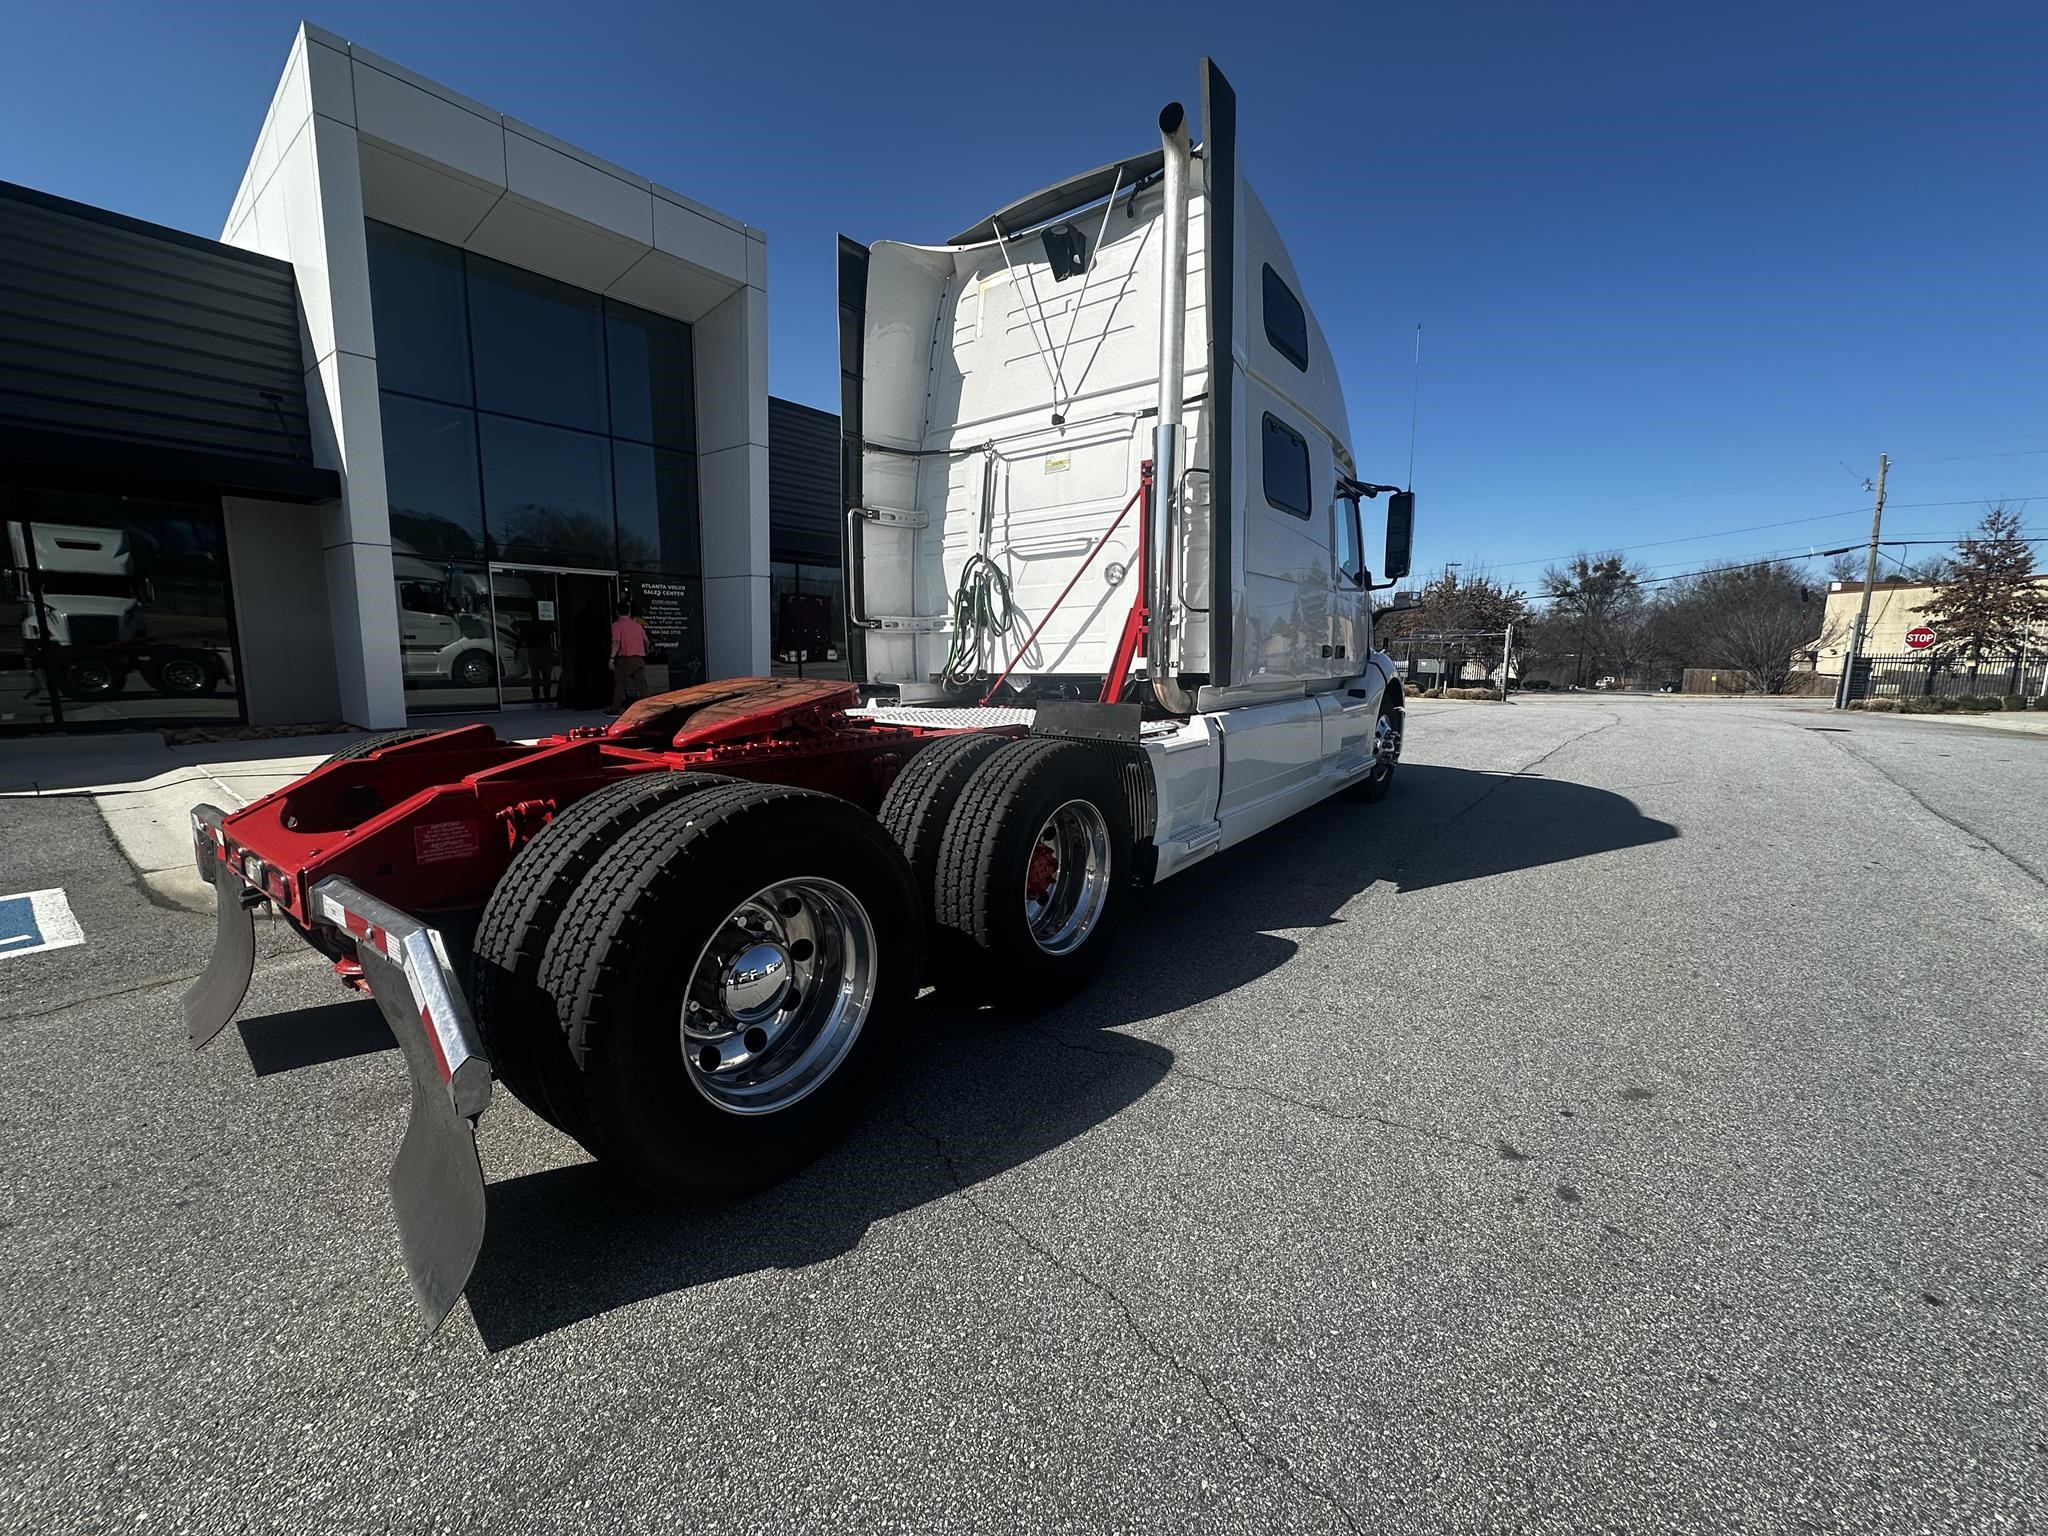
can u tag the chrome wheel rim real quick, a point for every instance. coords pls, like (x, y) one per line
(1066, 878)
(1386, 746)
(778, 995)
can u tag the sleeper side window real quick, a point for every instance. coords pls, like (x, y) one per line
(1285, 453)
(1286, 323)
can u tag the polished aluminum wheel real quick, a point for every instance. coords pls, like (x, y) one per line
(1066, 883)
(1386, 745)
(778, 995)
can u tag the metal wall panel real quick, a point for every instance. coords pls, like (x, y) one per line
(804, 511)
(113, 328)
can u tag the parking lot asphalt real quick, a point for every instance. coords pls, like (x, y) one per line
(1633, 1123)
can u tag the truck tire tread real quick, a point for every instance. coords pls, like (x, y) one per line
(380, 740)
(976, 949)
(518, 1027)
(587, 971)
(915, 810)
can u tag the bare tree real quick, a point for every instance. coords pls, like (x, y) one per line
(1597, 599)
(1755, 620)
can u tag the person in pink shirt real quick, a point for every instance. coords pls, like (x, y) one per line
(629, 658)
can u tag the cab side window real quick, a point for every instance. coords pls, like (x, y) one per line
(1286, 322)
(1350, 546)
(1285, 452)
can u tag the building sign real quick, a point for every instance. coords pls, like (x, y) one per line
(664, 610)
(1920, 637)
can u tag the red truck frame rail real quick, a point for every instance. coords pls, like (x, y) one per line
(377, 859)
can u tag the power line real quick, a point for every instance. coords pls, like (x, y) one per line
(1779, 559)
(1690, 538)
(1729, 533)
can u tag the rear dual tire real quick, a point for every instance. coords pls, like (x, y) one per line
(1033, 874)
(721, 987)
(524, 1039)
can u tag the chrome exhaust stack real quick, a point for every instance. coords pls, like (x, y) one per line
(1163, 535)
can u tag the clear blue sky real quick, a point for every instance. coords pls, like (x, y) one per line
(1676, 265)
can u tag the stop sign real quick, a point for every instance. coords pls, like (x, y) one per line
(1920, 637)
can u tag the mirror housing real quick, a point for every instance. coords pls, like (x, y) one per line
(1400, 534)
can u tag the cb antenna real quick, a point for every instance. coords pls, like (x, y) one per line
(1415, 404)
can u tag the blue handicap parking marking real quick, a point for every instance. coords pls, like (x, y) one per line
(18, 929)
(37, 920)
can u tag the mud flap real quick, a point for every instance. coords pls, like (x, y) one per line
(212, 1000)
(437, 1182)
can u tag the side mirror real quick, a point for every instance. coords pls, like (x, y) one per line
(1400, 534)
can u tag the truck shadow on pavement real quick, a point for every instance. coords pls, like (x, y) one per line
(978, 1094)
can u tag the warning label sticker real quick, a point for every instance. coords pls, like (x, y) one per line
(439, 841)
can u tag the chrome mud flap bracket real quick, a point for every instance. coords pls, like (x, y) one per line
(437, 1182)
(212, 1000)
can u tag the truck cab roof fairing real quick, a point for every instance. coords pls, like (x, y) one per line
(1062, 197)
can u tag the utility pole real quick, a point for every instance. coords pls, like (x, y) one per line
(1855, 655)
(1507, 655)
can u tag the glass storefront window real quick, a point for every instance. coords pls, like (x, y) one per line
(447, 649)
(548, 494)
(539, 347)
(430, 479)
(116, 610)
(649, 360)
(657, 505)
(530, 424)
(421, 322)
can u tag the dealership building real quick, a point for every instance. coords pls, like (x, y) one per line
(445, 390)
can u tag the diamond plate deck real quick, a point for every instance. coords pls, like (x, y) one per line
(965, 718)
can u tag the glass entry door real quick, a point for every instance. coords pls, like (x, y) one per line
(556, 625)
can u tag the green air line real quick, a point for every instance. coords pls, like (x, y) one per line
(983, 612)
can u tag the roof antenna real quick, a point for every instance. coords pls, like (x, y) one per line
(1415, 404)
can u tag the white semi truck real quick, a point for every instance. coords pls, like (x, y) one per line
(1111, 614)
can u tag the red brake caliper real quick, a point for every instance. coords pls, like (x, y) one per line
(1038, 879)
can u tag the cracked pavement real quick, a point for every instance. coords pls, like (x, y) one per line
(1632, 1124)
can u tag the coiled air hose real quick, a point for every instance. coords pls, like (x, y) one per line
(983, 612)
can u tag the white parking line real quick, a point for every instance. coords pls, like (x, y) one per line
(45, 921)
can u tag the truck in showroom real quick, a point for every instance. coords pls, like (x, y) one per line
(1110, 614)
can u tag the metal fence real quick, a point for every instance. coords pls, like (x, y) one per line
(1917, 675)
(1468, 658)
